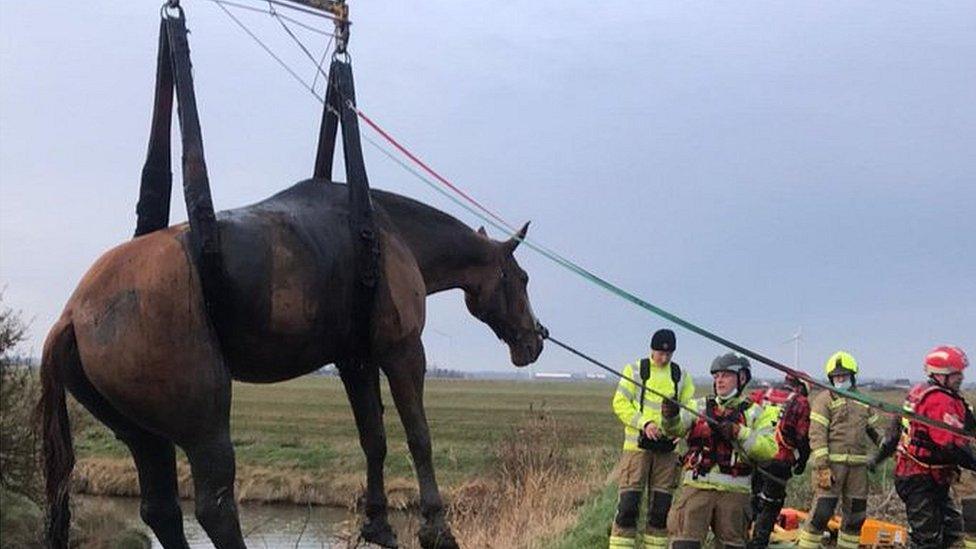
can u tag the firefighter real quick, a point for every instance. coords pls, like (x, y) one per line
(841, 432)
(769, 486)
(965, 491)
(648, 458)
(721, 452)
(929, 458)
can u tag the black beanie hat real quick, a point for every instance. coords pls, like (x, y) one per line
(663, 340)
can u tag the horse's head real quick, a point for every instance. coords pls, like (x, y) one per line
(498, 297)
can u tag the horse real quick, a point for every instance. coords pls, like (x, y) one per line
(139, 346)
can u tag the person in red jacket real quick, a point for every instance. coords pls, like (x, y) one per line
(929, 457)
(792, 439)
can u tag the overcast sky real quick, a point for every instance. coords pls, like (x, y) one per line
(751, 166)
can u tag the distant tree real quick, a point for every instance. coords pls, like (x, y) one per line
(444, 373)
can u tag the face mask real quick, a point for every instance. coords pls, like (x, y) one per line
(846, 385)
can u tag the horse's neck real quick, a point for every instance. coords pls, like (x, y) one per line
(449, 253)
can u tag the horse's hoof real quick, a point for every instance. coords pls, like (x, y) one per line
(380, 533)
(437, 538)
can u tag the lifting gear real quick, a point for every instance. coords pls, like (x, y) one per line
(173, 70)
(340, 102)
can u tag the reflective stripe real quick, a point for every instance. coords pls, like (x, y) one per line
(814, 416)
(819, 452)
(848, 540)
(874, 419)
(809, 540)
(969, 543)
(837, 403)
(753, 414)
(637, 421)
(622, 542)
(848, 458)
(717, 480)
(651, 540)
(627, 393)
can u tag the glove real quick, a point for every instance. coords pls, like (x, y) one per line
(966, 457)
(824, 479)
(669, 408)
(799, 467)
(802, 459)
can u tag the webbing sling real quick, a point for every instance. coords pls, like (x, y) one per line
(338, 109)
(174, 70)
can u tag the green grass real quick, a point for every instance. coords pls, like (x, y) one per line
(591, 524)
(307, 424)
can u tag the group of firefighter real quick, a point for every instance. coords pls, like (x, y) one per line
(744, 446)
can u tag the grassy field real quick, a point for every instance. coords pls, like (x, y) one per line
(305, 427)
(544, 448)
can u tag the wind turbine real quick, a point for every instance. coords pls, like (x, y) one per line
(795, 340)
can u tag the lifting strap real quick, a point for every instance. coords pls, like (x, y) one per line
(173, 70)
(339, 99)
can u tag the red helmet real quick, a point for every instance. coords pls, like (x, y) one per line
(946, 359)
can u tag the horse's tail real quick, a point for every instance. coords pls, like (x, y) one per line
(60, 350)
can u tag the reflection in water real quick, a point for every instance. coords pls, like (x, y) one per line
(269, 526)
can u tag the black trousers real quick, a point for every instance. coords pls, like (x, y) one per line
(934, 522)
(768, 495)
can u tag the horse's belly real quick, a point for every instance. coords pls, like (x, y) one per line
(267, 359)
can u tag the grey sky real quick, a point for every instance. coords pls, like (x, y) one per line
(753, 166)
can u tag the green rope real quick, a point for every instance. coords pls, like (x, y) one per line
(858, 396)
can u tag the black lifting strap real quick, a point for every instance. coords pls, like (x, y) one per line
(174, 69)
(339, 100)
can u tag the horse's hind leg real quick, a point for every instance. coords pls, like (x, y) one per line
(363, 389)
(211, 456)
(404, 368)
(154, 456)
(155, 459)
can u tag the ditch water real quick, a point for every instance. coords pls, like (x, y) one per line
(265, 526)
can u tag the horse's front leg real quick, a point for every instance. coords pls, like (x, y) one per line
(404, 367)
(363, 389)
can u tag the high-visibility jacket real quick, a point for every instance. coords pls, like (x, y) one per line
(925, 450)
(712, 464)
(839, 430)
(627, 399)
(793, 425)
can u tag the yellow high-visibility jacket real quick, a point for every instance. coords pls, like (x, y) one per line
(839, 430)
(756, 443)
(626, 401)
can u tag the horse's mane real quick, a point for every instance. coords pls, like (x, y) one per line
(403, 209)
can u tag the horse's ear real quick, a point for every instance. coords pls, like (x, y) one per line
(513, 242)
(482, 231)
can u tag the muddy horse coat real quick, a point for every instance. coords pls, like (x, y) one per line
(135, 345)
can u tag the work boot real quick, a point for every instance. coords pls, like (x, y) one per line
(762, 528)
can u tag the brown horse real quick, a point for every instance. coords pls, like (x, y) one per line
(136, 347)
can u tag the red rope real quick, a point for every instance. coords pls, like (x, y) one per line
(427, 168)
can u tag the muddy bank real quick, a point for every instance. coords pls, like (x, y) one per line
(273, 525)
(117, 477)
